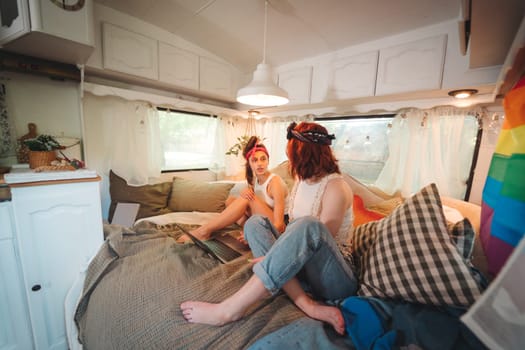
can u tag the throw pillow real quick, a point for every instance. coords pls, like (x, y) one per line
(283, 170)
(153, 199)
(413, 258)
(361, 214)
(192, 195)
(463, 236)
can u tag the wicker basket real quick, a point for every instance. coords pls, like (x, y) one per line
(40, 158)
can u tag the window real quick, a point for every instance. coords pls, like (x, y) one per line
(402, 153)
(361, 144)
(187, 139)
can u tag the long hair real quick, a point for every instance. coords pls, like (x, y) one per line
(310, 160)
(252, 142)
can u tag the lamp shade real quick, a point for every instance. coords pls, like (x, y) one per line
(262, 91)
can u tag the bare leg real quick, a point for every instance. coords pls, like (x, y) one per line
(232, 213)
(228, 216)
(229, 310)
(313, 309)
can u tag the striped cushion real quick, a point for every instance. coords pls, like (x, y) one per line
(413, 258)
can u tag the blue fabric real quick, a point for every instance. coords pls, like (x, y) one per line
(304, 333)
(306, 250)
(365, 326)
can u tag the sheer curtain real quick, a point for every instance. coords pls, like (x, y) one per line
(428, 146)
(274, 132)
(123, 136)
(271, 130)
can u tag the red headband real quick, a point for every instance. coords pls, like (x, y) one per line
(255, 149)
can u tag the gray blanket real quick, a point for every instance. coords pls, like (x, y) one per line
(138, 279)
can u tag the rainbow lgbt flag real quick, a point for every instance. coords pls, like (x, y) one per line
(503, 199)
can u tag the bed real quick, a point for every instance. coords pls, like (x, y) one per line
(133, 287)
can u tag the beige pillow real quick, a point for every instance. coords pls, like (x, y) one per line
(153, 199)
(192, 195)
(283, 170)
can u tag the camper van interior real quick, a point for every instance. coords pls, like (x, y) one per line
(152, 103)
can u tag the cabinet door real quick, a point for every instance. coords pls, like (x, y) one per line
(413, 66)
(74, 21)
(128, 52)
(178, 67)
(14, 20)
(215, 77)
(15, 329)
(59, 228)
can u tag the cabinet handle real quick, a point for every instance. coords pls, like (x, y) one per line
(36, 287)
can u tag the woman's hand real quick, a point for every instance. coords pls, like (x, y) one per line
(248, 193)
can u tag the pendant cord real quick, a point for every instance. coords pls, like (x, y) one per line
(265, 26)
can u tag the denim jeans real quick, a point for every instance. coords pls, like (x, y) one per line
(305, 250)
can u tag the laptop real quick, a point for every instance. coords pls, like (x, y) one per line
(125, 214)
(224, 247)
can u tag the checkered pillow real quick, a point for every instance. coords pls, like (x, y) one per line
(463, 236)
(413, 258)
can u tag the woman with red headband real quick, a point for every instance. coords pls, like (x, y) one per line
(312, 254)
(265, 195)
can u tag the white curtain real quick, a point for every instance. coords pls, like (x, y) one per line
(123, 136)
(430, 146)
(272, 132)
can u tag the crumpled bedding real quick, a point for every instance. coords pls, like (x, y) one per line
(138, 279)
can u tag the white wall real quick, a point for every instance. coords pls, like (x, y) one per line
(54, 106)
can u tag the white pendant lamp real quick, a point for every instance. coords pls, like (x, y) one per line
(262, 91)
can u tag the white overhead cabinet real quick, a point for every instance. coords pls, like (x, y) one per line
(51, 29)
(129, 52)
(56, 228)
(215, 77)
(178, 67)
(297, 82)
(353, 76)
(413, 66)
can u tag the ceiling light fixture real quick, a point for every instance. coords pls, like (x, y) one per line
(262, 91)
(463, 93)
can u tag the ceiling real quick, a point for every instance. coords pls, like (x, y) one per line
(297, 29)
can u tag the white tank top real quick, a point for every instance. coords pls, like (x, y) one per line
(261, 190)
(306, 199)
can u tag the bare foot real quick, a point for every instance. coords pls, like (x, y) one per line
(201, 233)
(207, 313)
(329, 314)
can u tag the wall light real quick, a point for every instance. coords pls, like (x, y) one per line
(463, 93)
(262, 91)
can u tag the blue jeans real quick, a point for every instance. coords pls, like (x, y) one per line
(305, 250)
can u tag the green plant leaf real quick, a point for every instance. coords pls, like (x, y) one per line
(43, 143)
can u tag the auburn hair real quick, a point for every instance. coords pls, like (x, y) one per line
(252, 142)
(310, 160)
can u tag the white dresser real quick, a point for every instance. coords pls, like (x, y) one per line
(48, 232)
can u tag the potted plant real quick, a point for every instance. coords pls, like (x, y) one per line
(239, 146)
(42, 150)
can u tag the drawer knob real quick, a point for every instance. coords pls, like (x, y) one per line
(36, 287)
